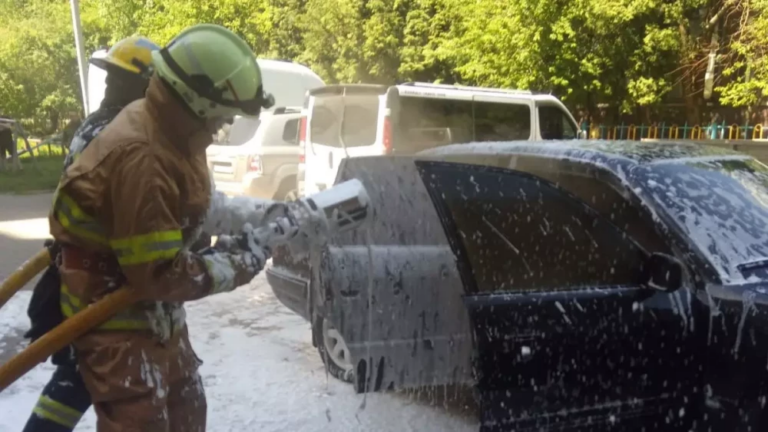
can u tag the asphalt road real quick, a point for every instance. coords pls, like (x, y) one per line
(23, 228)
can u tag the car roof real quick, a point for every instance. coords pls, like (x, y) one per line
(626, 152)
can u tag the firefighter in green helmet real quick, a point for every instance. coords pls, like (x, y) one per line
(127, 212)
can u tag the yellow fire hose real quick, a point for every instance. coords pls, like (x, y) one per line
(65, 333)
(23, 275)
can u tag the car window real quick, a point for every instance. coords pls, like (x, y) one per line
(596, 188)
(291, 132)
(361, 115)
(240, 132)
(555, 124)
(502, 121)
(720, 206)
(514, 231)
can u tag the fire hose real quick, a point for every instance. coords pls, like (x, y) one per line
(23, 275)
(303, 224)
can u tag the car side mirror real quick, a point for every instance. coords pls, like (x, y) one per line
(664, 272)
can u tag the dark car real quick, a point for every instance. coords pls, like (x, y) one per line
(601, 286)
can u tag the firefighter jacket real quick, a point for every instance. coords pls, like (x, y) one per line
(140, 193)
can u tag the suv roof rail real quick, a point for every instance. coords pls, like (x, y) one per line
(467, 88)
(286, 110)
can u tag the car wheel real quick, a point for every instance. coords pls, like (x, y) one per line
(333, 350)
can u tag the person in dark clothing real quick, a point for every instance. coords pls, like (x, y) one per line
(65, 398)
(6, 139)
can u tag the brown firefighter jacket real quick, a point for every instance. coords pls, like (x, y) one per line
(140, 192)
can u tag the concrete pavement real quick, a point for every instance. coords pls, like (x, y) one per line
(23, 228)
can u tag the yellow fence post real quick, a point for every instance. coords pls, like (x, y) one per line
(696, 133)
(632, 132)
(674, 132)
(757, 132)
(733, 131)
(653, 132)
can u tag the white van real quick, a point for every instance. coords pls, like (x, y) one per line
(287, 82)
(367, 120)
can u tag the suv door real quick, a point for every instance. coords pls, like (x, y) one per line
(567, 336)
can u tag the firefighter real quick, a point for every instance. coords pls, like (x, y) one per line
(65, 398)
(127, 211)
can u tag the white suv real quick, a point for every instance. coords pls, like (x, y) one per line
(369, 120)
(258, 157)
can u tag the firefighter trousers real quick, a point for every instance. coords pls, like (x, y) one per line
(63, 402)
(138, 384)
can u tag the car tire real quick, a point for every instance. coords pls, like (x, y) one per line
(333, 350)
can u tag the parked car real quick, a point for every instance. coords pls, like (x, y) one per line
(258, 157)
(356, 120)
(579, 285)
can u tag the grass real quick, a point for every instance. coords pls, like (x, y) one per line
(31, 179)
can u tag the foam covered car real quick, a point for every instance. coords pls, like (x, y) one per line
(575, 285)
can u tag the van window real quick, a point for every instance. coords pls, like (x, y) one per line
(361, 115)
(502, 122)
(556, 124)
(427, 123)
(325, 121)
(349, 121)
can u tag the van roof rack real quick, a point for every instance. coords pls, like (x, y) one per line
(350, 89)
(467, 88)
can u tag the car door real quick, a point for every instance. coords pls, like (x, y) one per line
(567, 336)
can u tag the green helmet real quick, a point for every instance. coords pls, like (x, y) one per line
(214, 71)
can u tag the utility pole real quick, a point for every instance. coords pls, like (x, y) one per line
(80, 52)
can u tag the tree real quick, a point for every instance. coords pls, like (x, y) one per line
(38, 67)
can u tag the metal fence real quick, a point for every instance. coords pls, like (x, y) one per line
(716, 131)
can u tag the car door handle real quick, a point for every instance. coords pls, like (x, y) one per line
(330, 160)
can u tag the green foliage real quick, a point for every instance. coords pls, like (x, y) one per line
(748, 69)
(626, 53)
